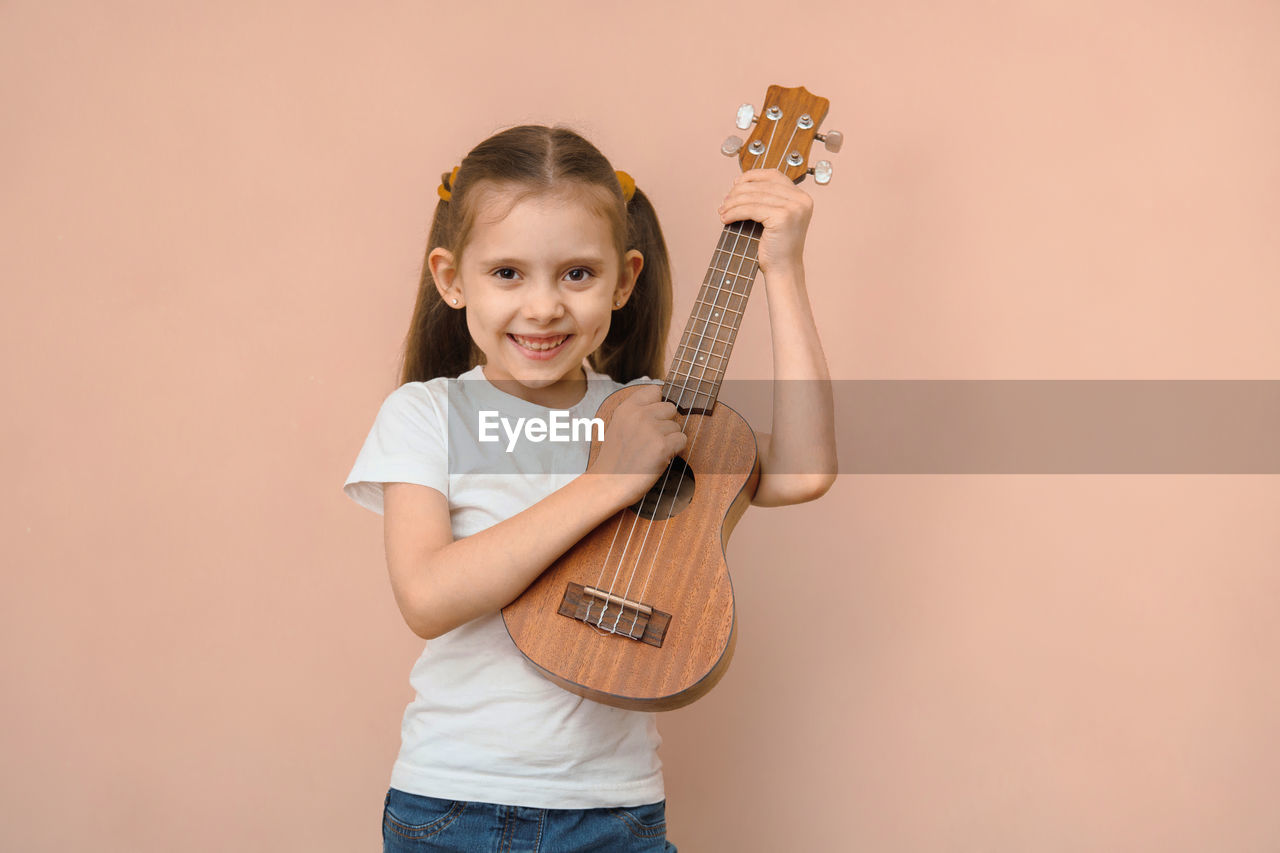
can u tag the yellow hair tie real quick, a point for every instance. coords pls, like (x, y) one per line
(445, 190)
(628, 185)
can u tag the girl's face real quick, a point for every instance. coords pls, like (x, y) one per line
(539, 282)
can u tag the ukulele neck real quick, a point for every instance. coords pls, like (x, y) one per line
(693, 380)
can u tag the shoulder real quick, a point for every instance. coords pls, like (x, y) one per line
(417, 394)
(416, 403)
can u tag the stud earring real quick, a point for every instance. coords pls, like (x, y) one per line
(455, 300)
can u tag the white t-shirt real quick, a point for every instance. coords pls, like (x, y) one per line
(485, 725)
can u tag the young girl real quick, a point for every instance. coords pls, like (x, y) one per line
(546, 286)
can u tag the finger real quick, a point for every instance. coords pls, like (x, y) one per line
(761, 175)
(647, 394)
(762, 192)
(763, 213)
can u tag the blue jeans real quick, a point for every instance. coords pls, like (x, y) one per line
(411, 822)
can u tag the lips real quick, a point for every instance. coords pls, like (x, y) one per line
(539, 346)
(540, 343)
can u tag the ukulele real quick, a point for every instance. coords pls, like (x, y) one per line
(639, 614)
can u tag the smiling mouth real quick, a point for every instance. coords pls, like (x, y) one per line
(542, 343)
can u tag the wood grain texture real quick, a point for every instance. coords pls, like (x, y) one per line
(680, 569)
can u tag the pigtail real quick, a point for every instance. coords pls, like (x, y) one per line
(637, 341)
(438, 342)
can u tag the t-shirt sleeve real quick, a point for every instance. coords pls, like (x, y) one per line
(407, 444)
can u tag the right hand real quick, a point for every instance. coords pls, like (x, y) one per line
(641, 439)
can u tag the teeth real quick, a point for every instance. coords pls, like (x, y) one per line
(539, 345)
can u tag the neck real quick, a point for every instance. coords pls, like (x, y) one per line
(564, 393)
(693, 380)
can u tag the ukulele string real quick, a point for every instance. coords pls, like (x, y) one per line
(626, 548)
(603, 567)
(737, 273)
(737, 229)
(732, 337)
(730, 229)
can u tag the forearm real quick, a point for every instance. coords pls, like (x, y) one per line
(802, 445)
(488, 570)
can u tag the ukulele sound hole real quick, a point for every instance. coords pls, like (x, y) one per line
(669, 495)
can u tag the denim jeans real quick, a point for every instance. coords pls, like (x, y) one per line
(412, 822)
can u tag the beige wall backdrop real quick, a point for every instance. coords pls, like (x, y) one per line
(213, 217)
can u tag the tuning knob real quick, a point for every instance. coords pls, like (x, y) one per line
(833, 139)
(746, 115)
(731, 146)
(821, 172)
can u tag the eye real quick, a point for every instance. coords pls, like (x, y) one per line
(586, 273)
(499, 273)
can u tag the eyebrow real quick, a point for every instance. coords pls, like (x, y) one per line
(588, 260)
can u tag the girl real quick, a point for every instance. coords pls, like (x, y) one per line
(546, 285)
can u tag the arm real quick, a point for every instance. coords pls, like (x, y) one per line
(440, 583)
(798, 459)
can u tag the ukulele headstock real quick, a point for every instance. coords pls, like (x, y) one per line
(784, 133)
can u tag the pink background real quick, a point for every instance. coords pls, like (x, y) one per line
(213, 219)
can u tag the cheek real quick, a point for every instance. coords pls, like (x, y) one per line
(486, 314)
(600, 321)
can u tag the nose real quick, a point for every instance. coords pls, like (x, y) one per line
(542, 302)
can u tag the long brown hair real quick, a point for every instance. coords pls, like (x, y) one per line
(543, 159)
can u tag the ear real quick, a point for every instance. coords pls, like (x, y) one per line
(632, 263)
(444, 272)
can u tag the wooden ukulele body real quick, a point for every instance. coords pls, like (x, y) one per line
(583, 622)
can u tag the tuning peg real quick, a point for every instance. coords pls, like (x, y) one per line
(731, 146)
(833, 139)
(821, 172)
(746, 115)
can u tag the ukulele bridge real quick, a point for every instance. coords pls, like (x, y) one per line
(614, 614)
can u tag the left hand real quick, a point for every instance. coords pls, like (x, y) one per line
(770, 198)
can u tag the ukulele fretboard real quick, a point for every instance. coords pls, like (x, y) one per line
(696, 371)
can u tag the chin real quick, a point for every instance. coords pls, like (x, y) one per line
(536, 381)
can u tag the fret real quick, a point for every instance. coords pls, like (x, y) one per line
(746, 272)
(738, 234)
(736, 255)
(687, 383)
(700, 363)
(711, 337)
(705, 322)
(700, 326)
(717, 315)
(727, 282)
(730, 240)
(743, 275)
(722, 308)
(707, 344)
(721, 302)
(699, 357)
(686, 398)
(720, 297)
